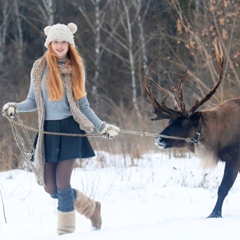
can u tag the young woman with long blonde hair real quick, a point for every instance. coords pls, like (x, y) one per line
(57, 92)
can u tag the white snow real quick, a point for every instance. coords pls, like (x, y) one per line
(158, 199)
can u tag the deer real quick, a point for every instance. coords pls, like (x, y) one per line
(212, 134)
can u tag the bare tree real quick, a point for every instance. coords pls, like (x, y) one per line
(127, 32)
(140, 18)
(196, 29)
(19, 32)
(5, 18)
(142, 36)
(41, 13)
(95, 25)
(47, 9)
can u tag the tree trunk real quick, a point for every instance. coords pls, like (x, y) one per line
(142, 41)
(50, 10)
(131, 60)
(3, 29)
(19, 34)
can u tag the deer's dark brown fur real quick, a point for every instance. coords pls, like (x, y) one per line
(214, 133)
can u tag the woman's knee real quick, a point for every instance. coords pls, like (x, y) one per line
(50, 188)
(50, 177)
(63, 173)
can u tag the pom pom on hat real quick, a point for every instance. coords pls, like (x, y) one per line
(72, 27)
(61, 32)
(46, 29)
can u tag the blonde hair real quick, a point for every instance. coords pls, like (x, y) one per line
(54, 81)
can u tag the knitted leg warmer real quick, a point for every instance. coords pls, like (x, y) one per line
(65, 199)
(89, 208)
(54, 195)
(66, 213)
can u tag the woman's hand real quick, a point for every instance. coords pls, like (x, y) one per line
(109, 130)
(9, 109)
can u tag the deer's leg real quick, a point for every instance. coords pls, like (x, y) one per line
(229, 177)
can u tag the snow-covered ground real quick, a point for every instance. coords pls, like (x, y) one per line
(158, 199)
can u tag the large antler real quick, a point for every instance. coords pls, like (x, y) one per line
(164, 112)
(220, 59)
(179, 92)
(160, 109)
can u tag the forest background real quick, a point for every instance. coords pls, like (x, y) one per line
(117, 39)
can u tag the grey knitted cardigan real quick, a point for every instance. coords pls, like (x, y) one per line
(79, 117)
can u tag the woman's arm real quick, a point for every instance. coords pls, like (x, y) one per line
(29, 104)
(103, 128)
(88, 112)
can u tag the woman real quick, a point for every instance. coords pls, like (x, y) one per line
(57, 91)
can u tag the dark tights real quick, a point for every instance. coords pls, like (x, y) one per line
(57, 176)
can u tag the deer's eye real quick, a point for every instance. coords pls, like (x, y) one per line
(185, 123)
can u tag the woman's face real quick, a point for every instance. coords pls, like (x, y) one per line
(60, 48)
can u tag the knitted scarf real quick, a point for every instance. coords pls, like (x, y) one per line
(79, 117)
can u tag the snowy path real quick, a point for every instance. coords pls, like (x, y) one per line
(160, 199)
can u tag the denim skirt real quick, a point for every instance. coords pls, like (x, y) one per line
(60, 147)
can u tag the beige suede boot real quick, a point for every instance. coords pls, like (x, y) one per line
(66, 222)
(96, 219)
(89, 208)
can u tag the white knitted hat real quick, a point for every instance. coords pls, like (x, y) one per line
(61, 32)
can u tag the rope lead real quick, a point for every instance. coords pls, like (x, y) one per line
(142, 134)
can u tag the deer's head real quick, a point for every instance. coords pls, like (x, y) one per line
(183, 122)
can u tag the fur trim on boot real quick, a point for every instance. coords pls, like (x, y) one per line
(66, 222)
(89, 208)
(84, 205)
